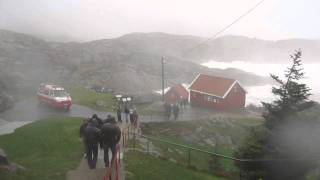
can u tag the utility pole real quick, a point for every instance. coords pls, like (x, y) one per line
(162, 65)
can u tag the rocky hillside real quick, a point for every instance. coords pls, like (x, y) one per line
(130, 63)
(225, 48)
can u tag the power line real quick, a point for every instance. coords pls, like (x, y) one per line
(226, 27)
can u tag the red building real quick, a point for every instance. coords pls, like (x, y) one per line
(217, 92)
(176, 94)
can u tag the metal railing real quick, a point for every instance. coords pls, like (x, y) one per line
(196, 158)
(191, 157)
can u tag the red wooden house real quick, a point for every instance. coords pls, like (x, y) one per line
(217, 92)
(176, 94)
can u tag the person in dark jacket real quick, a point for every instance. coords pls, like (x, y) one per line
(126, 112)
(110, 136)
(96, 121)
(82, 128)
(91, 136)
(167, 108)
(175, 111)
(119, 115)
(110, 119)
(135, 118)
(131, 117)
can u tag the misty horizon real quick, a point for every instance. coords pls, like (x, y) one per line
(174, 89)
(59, 38)
(86, 20)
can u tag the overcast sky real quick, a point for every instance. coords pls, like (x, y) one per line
(85, 20)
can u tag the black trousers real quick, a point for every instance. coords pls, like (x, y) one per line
(106, 148)
(92, 154)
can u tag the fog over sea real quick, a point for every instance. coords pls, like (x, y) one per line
(256, 94)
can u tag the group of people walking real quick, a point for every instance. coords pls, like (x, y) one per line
(104, 132)
(130, 114)
(172, 109)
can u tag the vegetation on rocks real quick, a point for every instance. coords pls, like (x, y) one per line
(220, 135)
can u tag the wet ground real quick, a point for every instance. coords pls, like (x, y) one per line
(28, 110)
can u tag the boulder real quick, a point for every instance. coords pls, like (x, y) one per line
(3, 158)
(6, 101)
(4, 163)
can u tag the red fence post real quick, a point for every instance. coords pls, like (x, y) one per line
(116, 164)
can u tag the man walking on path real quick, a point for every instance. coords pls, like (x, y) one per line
(119, 115)
(175, 111)
(135, 117)
(167, 108)
(110, 119)
(82, 128)
(126, 112)
(91, 136)
(96, 121)
(110, 136)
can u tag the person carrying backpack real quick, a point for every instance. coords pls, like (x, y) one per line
(91, 136)
(110, 135)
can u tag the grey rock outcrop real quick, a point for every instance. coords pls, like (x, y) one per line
(128, 64)
(6, 101)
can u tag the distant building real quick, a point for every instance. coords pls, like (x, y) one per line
(176, 94)
(217, 92)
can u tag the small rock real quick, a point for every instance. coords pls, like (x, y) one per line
(14, 168)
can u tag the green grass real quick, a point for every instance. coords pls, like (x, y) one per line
(198, 160)
(89, 98)
(144, 109)
(47, 149)
(249, 121)
(144, 166)
(194, 133)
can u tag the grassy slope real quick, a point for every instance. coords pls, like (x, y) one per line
(143, 166)
(188, 133)
(89, 98)
(47, 149)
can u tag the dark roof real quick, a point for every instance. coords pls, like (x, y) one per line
(213, 85)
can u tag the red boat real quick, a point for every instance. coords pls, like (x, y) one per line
(54, 96)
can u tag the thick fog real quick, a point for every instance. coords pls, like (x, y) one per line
(84, 20)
